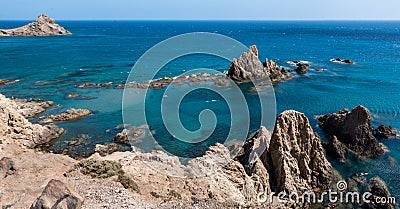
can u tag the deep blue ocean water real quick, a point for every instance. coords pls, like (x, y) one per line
(105, 51)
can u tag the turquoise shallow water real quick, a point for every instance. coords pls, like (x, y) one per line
(105, 51)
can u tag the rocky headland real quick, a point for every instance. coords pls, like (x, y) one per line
(42, 26)
(290, 159)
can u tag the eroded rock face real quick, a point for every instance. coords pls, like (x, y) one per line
(13, 125)
(248, 67)
(353, 129)
(335, 148)
(43, 26)
(71, 114)
(275, 73)
(254, 161)
(298, 159)
(378, 189)
(58, 195)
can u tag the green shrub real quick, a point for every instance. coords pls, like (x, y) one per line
(106, 169)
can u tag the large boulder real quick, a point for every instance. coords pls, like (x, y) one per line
(14, 126)
(58, 195)
(354, 129)
(43, 26)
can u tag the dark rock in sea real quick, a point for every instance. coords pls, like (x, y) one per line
(379, 190)
(335, 148)
(276, 74)
(354, 130)
(71, 114)
(385, 132)
(58, 195)
(7, 166)
(301, 68)
(6, 81)
(107, 149)
(43, 26)
(338, 60)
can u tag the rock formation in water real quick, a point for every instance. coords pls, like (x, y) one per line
(15, 126)
(43, 26)
(6, 81)
(379, 190)
(275, 73)
(71, 114)
(248, 67)
(385, 132)
(354, 130)
(301, 68)
(58, 195)
(338, 60)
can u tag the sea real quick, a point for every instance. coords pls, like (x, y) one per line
(49, 68)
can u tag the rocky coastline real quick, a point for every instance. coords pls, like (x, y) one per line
(42, 26)
(290, 159)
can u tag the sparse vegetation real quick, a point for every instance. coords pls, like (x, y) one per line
(155, 194)
(106, 169)
(175, 194)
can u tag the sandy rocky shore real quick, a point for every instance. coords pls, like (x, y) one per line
(293, 158)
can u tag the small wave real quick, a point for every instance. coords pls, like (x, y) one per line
(294, 63)
(213, 100)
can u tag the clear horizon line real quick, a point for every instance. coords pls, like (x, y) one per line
(173, 19)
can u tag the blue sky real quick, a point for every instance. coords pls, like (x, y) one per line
(202, 9)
